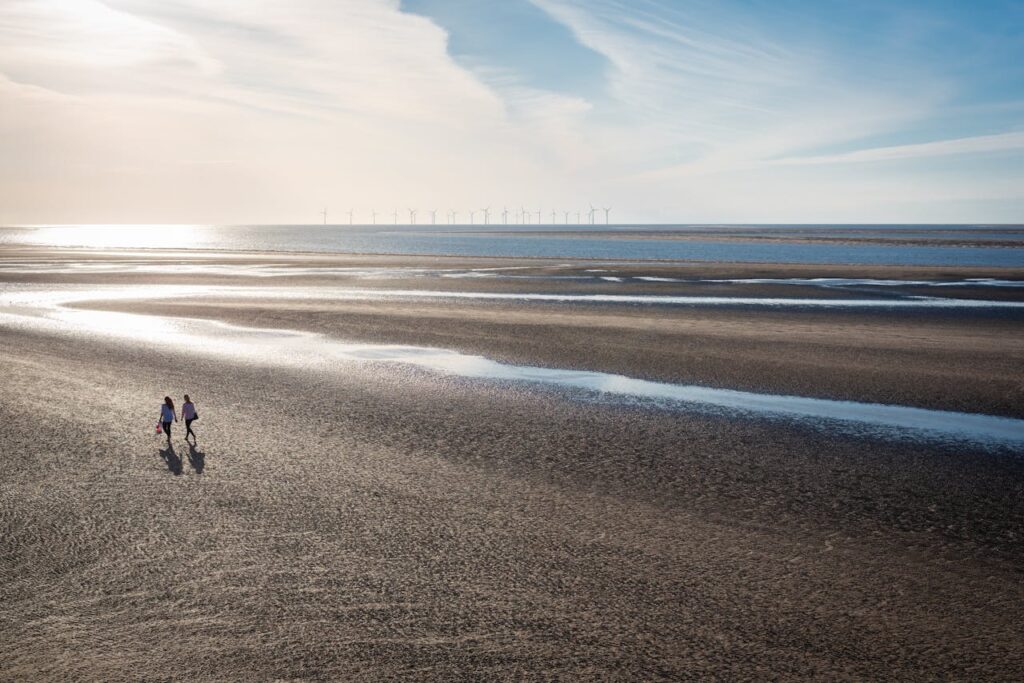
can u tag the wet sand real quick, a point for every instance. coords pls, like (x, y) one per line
(380, 522)
(929, 361)
(35, 255)
(1003, 236)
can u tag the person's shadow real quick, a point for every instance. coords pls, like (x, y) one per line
(196, 458)
(171, 459)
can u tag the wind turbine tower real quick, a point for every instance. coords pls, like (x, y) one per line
(412, 216)
(374, 215)
(396, 216)
(553, 214)
(324, 212)
(472, 216)
(504, 215)
(538, 216)
(487, 215)
(350, 213)
(607, 210)
(433, 216)
(591, 213)
(567, 218)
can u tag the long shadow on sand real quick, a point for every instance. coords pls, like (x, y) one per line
(171, 459)
(196, 458)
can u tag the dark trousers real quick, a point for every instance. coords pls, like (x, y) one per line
(167, 429)
(188, 428)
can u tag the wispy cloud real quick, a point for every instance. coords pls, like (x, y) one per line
(89, 33)
(980, 144)
(699, 111)
(743, 94)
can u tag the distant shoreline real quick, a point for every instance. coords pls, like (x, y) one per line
(943, 246)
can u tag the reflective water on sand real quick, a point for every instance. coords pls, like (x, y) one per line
(549, 273)
(845, 282)
(713, 301)
(45, 309)
(72, 293)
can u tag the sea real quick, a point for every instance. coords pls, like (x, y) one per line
(745, 243)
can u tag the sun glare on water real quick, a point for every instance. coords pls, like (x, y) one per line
(120, 236)
(124, 325)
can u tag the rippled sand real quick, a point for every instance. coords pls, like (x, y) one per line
(377, 521)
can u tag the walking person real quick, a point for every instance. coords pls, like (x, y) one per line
(189, 414)
(167, 414)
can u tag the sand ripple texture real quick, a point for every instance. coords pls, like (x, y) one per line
(384, 524)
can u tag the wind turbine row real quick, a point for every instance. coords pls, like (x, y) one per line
(520, 216)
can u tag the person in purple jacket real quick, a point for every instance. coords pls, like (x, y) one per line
(189, 414)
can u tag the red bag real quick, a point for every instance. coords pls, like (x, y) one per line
(159, 428)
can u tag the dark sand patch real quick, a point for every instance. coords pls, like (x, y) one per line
(933, 361)
(373, 522)
(375, 525)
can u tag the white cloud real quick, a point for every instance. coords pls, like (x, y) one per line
(265, 110)
(743, 96)
(980, 144)
(353, 103)
(87, 33)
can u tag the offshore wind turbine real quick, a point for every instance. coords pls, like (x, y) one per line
(433, 216)
(553, 214)
(607, 210)
(350, 212)
(577, 218)
(504, 215)
(567, 218)
(455, 216)
(396, 216)
(412, 216)
(538, 216)
(324, 212)
(374, 214)
(591, 213)
(472, 216)
(526, 216)
(487, 215)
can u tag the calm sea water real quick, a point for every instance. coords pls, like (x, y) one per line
(480, 240)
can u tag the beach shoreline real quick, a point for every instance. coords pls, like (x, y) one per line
(965, 360)
(369, 519)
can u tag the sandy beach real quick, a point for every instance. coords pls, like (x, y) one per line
(1001, 237)
(534, 340)
(376, 520)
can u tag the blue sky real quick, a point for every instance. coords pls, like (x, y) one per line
(516, 41)
(668, 110)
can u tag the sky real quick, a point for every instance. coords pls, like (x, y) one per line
(692, 111)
